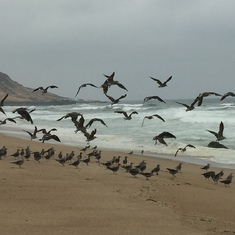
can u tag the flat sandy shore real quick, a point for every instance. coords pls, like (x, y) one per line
(49, 198)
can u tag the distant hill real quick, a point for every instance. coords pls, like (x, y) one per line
(20, 95)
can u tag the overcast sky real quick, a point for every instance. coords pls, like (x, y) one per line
(68, 43)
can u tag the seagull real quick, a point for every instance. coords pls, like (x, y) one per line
(227, 181)
(33, 134)
(19, 162)
(189, 107)
(227, 94)
(206, 167)
(2, 104)
(156, 169)
(7, 119)
(160, 137)
(16, 154)
(179, 166)
(184, 149)
(173, 172)
(219, 135)
(114, 169)
(44, 90)
(162, 84)
(209, 174)
(24, 114)
(113, 100)
(72, 115)
(134, 171)
(153, 97)
(90, 136)
(127, 117)
(205, 94)
(84, 85)
(151, 117)
(75, 163)
(147, 175)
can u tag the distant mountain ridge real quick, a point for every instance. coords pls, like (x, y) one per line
(18, 94)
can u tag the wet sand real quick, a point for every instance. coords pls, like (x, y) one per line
(49, 198)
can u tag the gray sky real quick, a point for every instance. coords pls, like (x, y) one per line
(68, 43)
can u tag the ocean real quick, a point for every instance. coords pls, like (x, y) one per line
(129, 135)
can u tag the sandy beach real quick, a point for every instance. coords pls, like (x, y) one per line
(49, 198)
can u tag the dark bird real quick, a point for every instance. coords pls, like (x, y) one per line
(7, 119)
(19, 162)
(16, 154)
(75, 163)
(162, 84)
(156, 169)
(184, 149)
(147, 175)
(90, 136)
(204, 94)
(44, 90)
(33, 135)
(62, 161)
(2, 104)
(153, 97)
(24, 114)
(173, 172)
(227, 94)
(88, 125)
(45, 132)
(160, 137)
(209, 174)
(125, 160)
(151, 117)
(86, 160)
(84, 85)
(37, 156)
(3, 152)
(47, 137)
(113, 100)
(227, 181)
(206, 167)
(189, 107)
(73, 115)
(219, 135)
(126, 116)
(179, 166)
(114, 169)
(134, 171)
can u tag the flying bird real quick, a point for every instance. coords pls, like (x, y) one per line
(184, 149)
(162, 84)
(151, 117)
(153, 97)
(160, 137)
(126, 116)
(227, 94)
(24, 114)
(113, 100)
(204, 94)
(2, 104)
(189, 107)
(90, 136)
(84, 85)
(44, 90)
(219, 135)
(72, 115)
(33, 134)
(88, 125)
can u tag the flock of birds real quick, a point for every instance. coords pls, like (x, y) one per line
(79, 122)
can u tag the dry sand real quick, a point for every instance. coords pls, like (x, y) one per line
(48, 198)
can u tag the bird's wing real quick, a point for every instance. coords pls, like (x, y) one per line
(214, 133)
(2, 101)
(122, 112)
(221, 129)
(1, 110)
(158, 116)
(157, 80)
(10, 119)
(121, 86)
(39, 88)
(110, 98)
(177, 151)
(55, 137)
(168, 80)
(166, 134)
(190, 145)
(143, 121)
(110, 77)
(52, 86)
(185, 105)
(31, 135)
(60, 118)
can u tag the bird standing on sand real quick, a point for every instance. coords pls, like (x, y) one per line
(125, 160)
(173, 172)
(134, 171)
(156, 169)
(209, 174)
(44, 90)
(227, 181)
(19, 162)
(179, 166)
(206, 167)
(161, 84)
(147, 175)
(219, 136)
(114, 169)
(16, 154)
(126, 116)
(184, 149)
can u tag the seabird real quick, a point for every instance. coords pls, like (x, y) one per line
(16, 154)
(206, 167)
(227, 181)
(126, 116)
(2, 104)
(184, 149)
(147, 175)
(24, 114)
(162, 84)
(173, 172)
(156, 169)
(219, 135)
(33, 134)
(227, 94)
(44, 90)
(160, 137)
(113, 100)
(86, 160)
(188, 107)
(134, 171)
(125, 160)
(151, 117)
(179, 166)
(205, 94)
(72, 115)
(3, 152)
(75, 163)
(114, 169)
(153, 97)
(62, 161)
(84, 85)
(90, 136)
(19, 162)
(209, 174)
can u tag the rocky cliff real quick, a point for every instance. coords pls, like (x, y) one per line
(18, 94)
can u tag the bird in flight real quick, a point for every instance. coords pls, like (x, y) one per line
(113, 100)
(153, 97)
(162, 84)
(160, 137)
(2, 104)
(219, 136)
(151, 117)
(44, 90)
(205, 94)
(84, 85)
(126, 116)
(184, 149)
(24, 114)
